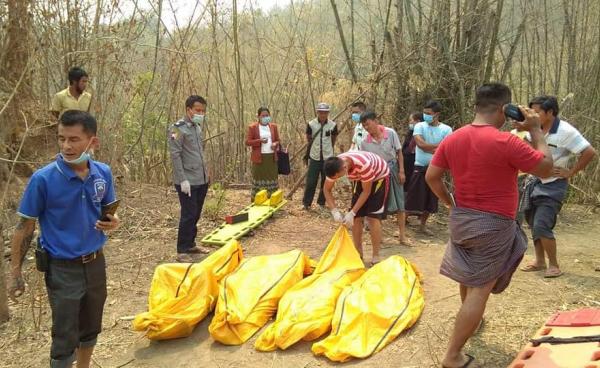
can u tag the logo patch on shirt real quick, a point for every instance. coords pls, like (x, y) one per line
(99, 190)
(174, 134)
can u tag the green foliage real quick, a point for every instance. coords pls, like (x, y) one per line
(132, 118)
(215, 201)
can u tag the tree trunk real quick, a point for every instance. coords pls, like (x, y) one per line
(15, 78)
(343, 39)
(493, 41)
(13, 71)
(3, 294)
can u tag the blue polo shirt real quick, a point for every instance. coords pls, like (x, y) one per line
(68, 207)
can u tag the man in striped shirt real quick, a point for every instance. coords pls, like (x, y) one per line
(370, 176)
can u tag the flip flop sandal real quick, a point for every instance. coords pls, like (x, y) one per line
(426, 231)
(470, 359)
(552, 273)
(532, 268)
(407, 243)
(373, 263)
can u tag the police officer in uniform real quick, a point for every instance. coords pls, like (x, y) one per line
(321, 133)
(190, 175)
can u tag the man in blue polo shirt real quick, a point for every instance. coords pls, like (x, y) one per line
(428, 135)
(66, 198)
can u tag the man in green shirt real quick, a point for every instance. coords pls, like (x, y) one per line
(73, 97)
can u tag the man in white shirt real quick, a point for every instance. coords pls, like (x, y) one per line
(543, 197)
(357, 109)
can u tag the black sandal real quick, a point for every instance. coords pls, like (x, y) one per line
(470, 359)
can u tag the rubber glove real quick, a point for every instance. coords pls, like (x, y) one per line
(349, 219)
(186, 188)
(337, 215)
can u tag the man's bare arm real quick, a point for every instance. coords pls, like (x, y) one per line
(435, 179)
(427, 147)
(20, 244)
(21, 241)
(584, 159)
(327, 189)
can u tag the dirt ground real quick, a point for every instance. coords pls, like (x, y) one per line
(147, 238)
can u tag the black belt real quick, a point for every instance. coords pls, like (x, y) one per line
(79, 260)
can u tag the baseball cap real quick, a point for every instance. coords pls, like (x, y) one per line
(322, 106)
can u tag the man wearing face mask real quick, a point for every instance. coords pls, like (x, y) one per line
(190, 175)
(73, 97)
(428, 135)
(360, 133)
(66, 198)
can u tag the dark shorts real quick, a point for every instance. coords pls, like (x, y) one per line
(375, 205)
(541, 217)
(76, 292)
(419, 197)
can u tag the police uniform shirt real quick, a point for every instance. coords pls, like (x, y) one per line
(187, 154)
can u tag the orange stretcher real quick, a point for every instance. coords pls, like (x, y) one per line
(567, 340)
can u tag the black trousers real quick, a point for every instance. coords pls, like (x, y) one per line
(77, 293)
(315, 169)
(191, 209)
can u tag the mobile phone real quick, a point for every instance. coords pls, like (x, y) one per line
(41, 257)
(109, 209)
(512, 111)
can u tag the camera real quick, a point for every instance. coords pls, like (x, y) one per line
(512, 111)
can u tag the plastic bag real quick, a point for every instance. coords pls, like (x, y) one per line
(248, 297)
(182, 294)
(306, 310)
(374, 310)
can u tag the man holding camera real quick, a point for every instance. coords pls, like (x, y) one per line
(543, 197)
(486, 243)
(66, 197)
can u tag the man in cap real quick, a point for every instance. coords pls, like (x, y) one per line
(321, 134)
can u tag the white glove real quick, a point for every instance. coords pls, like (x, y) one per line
(186, 188)
(337, 215)
(349, 219)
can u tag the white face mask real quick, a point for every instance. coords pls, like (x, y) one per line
(197, 119)
(84, 157)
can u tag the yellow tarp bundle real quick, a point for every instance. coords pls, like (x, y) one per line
(306, 310)
(248, 297)
(182, 294)
(374, 310)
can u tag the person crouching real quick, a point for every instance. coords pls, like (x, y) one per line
(370, 176)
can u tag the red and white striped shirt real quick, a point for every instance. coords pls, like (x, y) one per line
(367, 166)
